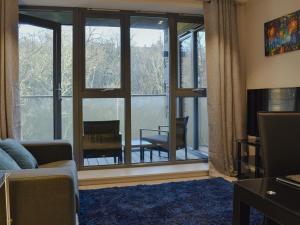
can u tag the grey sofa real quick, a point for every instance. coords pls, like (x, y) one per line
(47, 195)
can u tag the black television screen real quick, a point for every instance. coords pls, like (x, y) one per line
(268, 100)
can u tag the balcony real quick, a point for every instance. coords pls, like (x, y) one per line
(147, 112)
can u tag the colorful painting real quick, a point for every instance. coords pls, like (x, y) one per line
(282, 34)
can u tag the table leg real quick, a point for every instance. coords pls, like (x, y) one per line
(142, 153)
(257, 162)
(241, 211)
(269, 222)
(141, 147)
(239, 159)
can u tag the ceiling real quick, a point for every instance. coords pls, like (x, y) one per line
(178, 6)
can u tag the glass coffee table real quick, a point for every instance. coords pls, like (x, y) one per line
(276, 200)
(136, 143)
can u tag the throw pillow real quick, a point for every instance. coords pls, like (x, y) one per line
(6, 162)
(20, 154)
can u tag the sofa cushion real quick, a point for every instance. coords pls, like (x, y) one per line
(6, 162)
(68, 165)
(60, 164)
(20, 154)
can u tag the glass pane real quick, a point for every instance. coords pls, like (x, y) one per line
(149, 88)
(66, 82)
(36, 60)
(36, 118)
(186, 79)
(202, 78)
(188, 74)
(102, 53)
(103, 131)
(67, 61)
(67, 118)
(191, 128)
(36, 82)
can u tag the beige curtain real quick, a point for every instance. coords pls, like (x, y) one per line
(9, 97)
(226, 85)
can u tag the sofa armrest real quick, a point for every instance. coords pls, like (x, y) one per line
(47, 152)
(42, 196)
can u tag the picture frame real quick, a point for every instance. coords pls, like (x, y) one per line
(282, 34)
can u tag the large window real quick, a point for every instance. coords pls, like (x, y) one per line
(102, 53)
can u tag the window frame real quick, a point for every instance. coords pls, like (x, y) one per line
(101, 92)
(195, 92)
(80, 92)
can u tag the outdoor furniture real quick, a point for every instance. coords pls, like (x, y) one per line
(137, 144)
(160, 141)
(102, 139)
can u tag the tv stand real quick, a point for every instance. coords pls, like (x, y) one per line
(248, 165)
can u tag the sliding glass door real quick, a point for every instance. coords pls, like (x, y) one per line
(46, 74)
(40, 78)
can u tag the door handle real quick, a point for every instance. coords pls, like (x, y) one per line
(108, 89)
(199, 89)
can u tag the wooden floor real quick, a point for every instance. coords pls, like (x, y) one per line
(180, 155)
(150, 182)
(140, 175)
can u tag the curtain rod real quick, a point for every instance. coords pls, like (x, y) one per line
(236, 1)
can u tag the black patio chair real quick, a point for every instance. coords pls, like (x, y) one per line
(160, 141)
(102, 139)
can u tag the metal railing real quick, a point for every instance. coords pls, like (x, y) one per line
(148, 111)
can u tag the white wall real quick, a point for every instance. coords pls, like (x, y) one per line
(266, 72)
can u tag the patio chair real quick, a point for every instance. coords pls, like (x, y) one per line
(102, 139)
(160, 141)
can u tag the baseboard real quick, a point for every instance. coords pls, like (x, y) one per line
(128, 175)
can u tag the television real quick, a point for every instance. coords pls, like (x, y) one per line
(270, 100)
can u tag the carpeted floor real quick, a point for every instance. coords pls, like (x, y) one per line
(202, 202)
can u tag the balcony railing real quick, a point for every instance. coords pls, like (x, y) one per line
(148, 111)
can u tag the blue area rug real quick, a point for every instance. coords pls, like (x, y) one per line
(202, 202)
